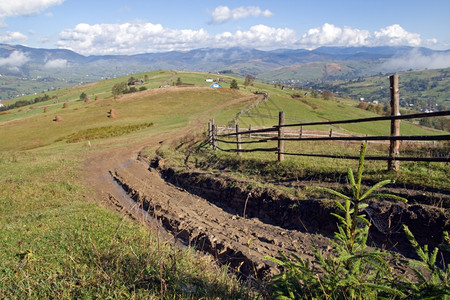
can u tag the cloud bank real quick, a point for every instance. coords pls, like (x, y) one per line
(417, 61)
(224, 14)
(331, 35)
(14, 61)
(142, 37)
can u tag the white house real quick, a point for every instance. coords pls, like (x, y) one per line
(209, 80)
(1, 104)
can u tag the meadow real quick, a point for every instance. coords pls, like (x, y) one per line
(58, 241)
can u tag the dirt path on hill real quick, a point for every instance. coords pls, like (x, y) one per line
(237, 226)
(121, 179)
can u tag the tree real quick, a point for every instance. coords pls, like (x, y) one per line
(314, 94)
(327, 95)
(118, 89)
(83, 96)
(131, 80)
(234, 84)
(249, 80)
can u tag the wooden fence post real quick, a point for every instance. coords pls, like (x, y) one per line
(395, 124)
(280, 135)
(301, 132)
(249, 129)
(331, 132)
(214, 136)
(210, 133)
(238, 139)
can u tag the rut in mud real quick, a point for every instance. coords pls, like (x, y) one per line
(239, 225)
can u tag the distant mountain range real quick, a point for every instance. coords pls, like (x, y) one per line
(53, 68)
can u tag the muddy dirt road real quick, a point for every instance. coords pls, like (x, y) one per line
(237, 226)
(121, 179)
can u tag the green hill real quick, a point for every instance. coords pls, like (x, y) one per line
(59, 241)
(419, 90)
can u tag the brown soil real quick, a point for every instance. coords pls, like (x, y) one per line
(237, 224)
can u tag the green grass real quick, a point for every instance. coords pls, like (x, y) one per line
(56, 243)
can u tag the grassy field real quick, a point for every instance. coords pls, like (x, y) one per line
(58, 242)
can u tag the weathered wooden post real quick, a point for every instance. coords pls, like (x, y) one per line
(238, 139)
(331, 132)
(214, 136)
(249, 129)
(395, 124)
(301, 132)
(280, 136)
(210, 133)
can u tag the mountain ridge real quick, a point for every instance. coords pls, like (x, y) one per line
(40, 69)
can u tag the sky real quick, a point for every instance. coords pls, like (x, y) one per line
(101, 27)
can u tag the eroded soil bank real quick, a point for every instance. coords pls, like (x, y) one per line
(239, 224)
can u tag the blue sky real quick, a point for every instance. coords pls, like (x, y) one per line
(139, 26)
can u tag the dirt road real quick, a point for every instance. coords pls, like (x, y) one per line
(123, 180)
(235, 226)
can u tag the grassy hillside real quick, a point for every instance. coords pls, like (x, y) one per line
(58, 242)
(418, 89)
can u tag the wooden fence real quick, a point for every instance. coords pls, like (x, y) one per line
(278, 133)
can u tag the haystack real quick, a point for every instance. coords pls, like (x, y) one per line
(112, 113)
(58, 119)
(87, 101)
(46, 109)
(65, 105)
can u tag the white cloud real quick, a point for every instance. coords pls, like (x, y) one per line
(14, 60)
(13, 37)
(222, 14)
(330, 35)
(142, 37)
(25, 7)
(130, 38)
(56, 64)
(418, 61)
(258, 36)
(395, 35)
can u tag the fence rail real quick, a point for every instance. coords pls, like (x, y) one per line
(280, 135)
